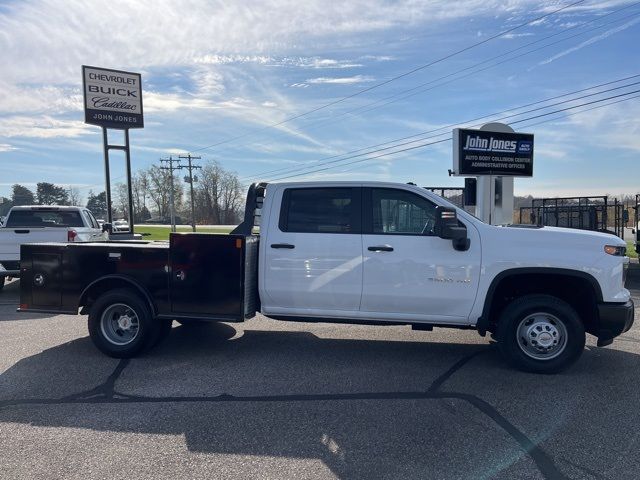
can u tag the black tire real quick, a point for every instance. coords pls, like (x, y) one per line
(2, 279)
(102, 322)
(540, 334)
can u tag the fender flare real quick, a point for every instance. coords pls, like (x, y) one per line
(123, 278)
(484, 320)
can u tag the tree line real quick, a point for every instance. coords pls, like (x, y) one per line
(218, 196)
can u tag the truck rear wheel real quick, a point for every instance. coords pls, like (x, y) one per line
(121, 324)
(540, 333)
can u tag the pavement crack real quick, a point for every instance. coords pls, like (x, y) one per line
(543, 461)
(106, 394)
(104, 390)
(438, 382)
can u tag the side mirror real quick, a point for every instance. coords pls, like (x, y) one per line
(107, 227)
(447, 227)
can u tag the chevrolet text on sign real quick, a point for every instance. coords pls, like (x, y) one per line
(112, 98)
(481, 152)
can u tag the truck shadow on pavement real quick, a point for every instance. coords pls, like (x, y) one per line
(365, 408)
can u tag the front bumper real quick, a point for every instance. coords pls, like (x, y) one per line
(614, 320)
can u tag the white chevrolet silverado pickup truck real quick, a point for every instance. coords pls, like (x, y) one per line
(349, 252)
(42, 223)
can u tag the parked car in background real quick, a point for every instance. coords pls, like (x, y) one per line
(163, 221)
(38, 224)
(120, 225)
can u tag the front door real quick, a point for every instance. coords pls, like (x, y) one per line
(409, 272)
(312, 262)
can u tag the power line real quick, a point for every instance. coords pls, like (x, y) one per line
(449, 138)
(397, 77)
(400, 95)
(445, 128)
(552, 119)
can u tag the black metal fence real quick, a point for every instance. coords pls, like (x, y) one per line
(454, 194)
(597, 213)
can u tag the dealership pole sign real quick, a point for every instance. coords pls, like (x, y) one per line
(481, 152)
(112, 98)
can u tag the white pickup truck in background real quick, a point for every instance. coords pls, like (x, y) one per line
(38, 224)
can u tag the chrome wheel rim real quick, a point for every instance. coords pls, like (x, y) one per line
(119, 324)
(541, 336)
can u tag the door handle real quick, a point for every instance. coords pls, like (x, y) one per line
(381, 248)
(282, 245)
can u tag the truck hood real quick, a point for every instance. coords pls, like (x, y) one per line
(560, 236)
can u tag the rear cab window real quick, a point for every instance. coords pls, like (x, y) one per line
(45, 218)
(320, 210)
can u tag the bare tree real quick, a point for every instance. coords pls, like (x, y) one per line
(75, 198)
(230, 198)
(208, 193)
(159, 182)
(122, 200)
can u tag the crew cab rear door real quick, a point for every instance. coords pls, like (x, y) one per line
(409, 273)
(312, 260)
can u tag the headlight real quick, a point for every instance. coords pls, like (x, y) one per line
(615, 250)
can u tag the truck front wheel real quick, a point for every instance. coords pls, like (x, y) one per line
(121, 324)
(540, 333)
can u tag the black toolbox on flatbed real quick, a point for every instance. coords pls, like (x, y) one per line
(193, 275)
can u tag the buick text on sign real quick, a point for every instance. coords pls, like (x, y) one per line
(112, 98)
(480, 152)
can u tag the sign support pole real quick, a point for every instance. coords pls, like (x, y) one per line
(129, 189)
(107, 174)
(127, 152)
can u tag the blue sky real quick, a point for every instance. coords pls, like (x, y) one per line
(216, 71)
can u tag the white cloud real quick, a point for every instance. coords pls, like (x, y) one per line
(378, 58)
(43, 126)
(43, 44)
(513, 35)
(341, 80)
(590, 41)
(5, 147)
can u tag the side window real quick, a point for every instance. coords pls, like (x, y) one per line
(319, 210)
(92, 222)
(400, 212)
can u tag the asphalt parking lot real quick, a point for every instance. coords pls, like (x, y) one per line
(269, 399)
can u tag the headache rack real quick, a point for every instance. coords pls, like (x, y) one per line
(252, 209)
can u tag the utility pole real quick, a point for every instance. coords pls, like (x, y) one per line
(189, 179)
(171, 168)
